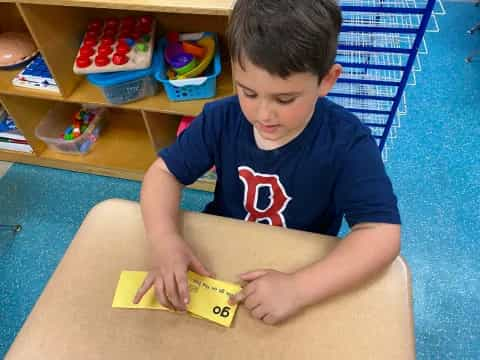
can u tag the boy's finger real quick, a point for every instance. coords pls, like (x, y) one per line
(241, 295)
(198, 267)
(171, 293)
(160, 294)
(251, 302)
(147, 284)
(269, 319)
(259, 312)
(253, 275)
(237, 298)
(182, 285)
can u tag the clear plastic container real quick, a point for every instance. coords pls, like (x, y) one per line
(59, 118)
(132, 90)
(126, 86)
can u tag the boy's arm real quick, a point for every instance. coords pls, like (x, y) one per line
(170, 255)
(364, 193)
(159, 201)
(366, 250)
(273, 296)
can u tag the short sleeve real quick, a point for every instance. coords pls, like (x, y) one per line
(363, 191)
(193, 152)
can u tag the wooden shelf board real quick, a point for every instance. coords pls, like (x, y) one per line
(88, 93)
(91, 94)
(211, 7)
(17, 156)
(48, 159)
(53, 160)
(72, 166)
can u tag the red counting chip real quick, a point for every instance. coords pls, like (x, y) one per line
(136, 35)
(122, 48)
(95, 24)
(101, 60)
(109, 32)
(127, 21)
(86, 51)
(146, 19)
(112, 30)
(83, 61)
(90, 42)
(92, 34)
(127, 29)
(112, 22)
(105, 50)
(119, 59)
(124, 35)
(122, 40)
(107, 40)
(144, 28)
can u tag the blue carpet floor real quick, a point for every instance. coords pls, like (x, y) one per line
(434, 166)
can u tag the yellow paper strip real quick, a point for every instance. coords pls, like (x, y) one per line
(208, 297)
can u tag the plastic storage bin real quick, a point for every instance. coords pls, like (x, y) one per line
(203, 87)
(126, 86)
(59, 118)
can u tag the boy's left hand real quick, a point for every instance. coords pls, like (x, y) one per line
(270, 296)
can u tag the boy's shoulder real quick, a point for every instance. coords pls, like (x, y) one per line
(337, 116)
(223, 116)
(223, 106)
(340, 124)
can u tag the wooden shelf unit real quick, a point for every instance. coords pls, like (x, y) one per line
(135, 131)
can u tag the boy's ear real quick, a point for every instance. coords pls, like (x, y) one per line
(329, 80)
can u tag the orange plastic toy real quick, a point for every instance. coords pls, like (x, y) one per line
(193, 49)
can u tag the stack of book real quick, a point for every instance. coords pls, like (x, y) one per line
(10, 137)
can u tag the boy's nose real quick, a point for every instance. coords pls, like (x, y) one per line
(264, 113)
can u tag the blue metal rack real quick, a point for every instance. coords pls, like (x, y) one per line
(378, 47)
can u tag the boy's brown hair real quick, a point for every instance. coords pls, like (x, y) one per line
(285, 36)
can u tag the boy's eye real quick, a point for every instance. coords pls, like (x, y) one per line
(249, 94)
(284, 101)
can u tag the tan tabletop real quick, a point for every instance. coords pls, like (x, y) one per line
(73, 318)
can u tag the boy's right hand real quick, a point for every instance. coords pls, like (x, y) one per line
(170, 262)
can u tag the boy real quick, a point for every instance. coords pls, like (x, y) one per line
(285, 156)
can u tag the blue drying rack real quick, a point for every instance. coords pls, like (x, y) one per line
(378, 46)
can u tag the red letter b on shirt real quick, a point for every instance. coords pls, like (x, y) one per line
(279, 199)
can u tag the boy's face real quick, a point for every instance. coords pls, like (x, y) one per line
(279, 109)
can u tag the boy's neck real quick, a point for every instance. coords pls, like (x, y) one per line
(265, 144)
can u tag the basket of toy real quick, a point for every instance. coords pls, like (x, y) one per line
(68, 129)
(190, 65)
(126, 86)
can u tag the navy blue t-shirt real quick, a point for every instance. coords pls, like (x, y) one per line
(331, 169)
